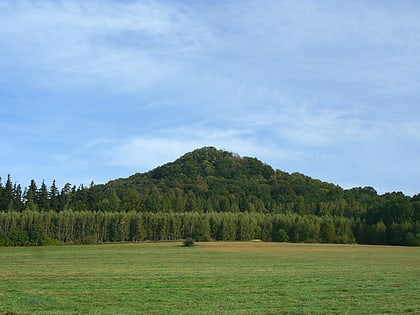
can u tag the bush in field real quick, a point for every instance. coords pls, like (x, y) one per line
(189, 242)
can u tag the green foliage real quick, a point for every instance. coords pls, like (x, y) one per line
(247, 197)
(87, 227)
(327, 230)
(282, 236)
(189, 242)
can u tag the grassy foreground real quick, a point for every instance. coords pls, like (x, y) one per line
(211, 278)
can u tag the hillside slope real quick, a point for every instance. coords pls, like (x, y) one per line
(208, 179)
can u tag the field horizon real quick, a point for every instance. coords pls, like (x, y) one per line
(211, 278)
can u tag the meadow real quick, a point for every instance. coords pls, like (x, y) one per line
(211, 278)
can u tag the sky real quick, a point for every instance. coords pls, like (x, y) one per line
(98, 90)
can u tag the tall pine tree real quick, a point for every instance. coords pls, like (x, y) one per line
(43, 201)
(54, 197)
(8, 195)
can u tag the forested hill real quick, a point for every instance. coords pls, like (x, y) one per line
(229, 197)
(208, 180)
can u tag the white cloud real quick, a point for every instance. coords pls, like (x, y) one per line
(122, 45)
(155, 79)
(148, 151)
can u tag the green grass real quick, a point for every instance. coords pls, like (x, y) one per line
(211, 278)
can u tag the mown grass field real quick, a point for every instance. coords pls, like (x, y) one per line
(211, 278)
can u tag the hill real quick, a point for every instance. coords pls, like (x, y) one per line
(208, 179)
(212, 180)
(209, 194)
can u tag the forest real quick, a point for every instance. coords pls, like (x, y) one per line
(207, 194)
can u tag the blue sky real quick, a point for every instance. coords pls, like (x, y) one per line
(98, 90)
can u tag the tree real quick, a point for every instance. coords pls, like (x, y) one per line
(18, 198)
(30, 196)
(1, 194)
(65, 197)
(92, 198)
(131, 200)
(42, 198)
(379, 232)
(54, 197)
(229, 227)
(8, 197)
(327, 230)
(245, 227)
(282, 236)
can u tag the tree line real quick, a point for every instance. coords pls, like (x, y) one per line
(41, 228)
(212, 183)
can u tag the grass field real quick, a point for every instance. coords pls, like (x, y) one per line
(211, 278)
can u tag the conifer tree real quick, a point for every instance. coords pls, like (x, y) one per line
(65, 196)
(54, 197)
(31, 195)
(18, 198)
(42, 198)
(1, 195)
(8, 196)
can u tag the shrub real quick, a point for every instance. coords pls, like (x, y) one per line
(189, 242)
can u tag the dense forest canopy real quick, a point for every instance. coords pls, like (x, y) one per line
(207, 194)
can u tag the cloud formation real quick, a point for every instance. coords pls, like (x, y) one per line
(326, 88)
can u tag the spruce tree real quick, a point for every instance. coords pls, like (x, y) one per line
(54, 197)
(1, 195)
(18, 198)
(31, 195)
(43, 201)
(8, 195)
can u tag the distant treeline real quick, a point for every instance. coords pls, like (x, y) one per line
(85, 227)
(207, 194)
